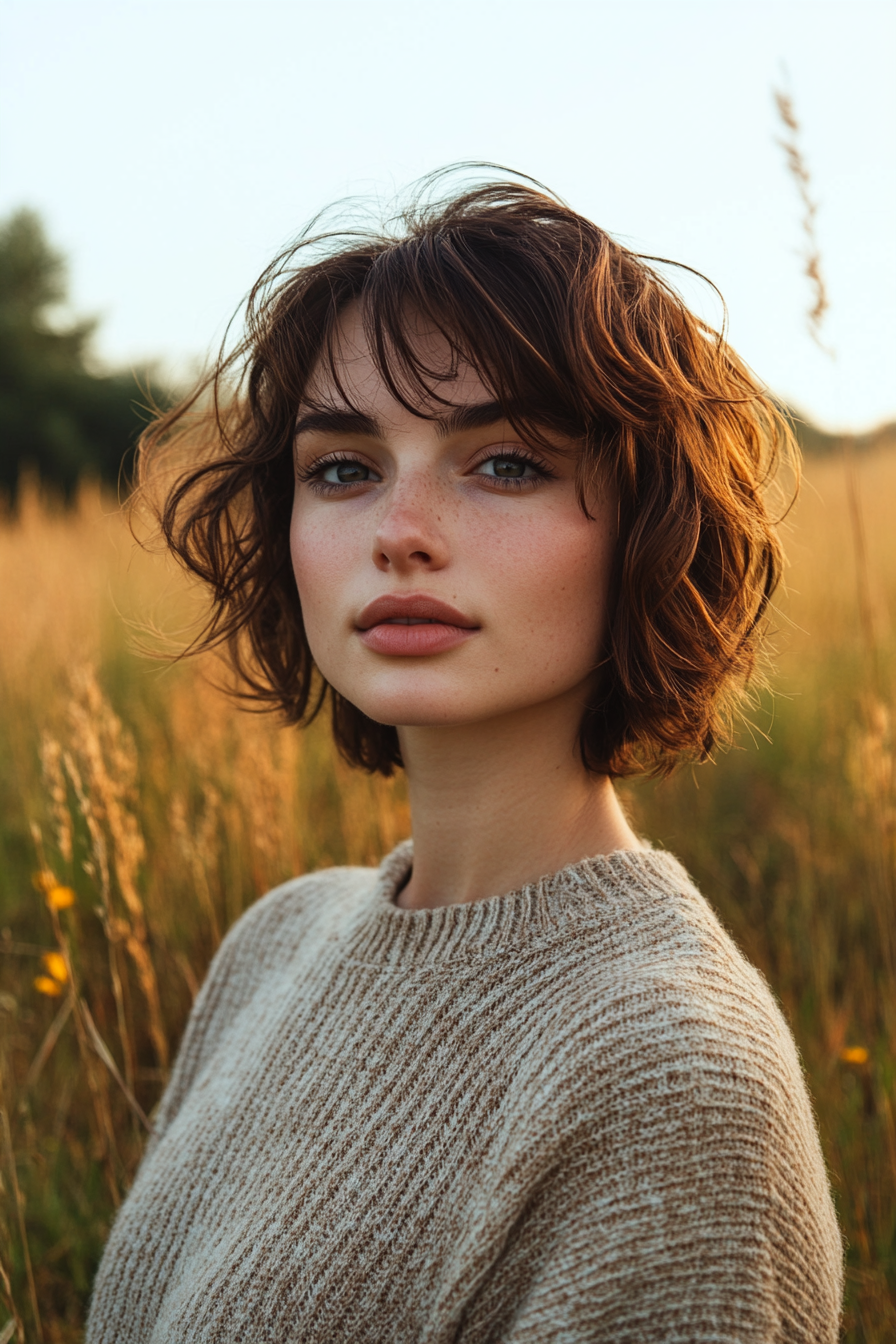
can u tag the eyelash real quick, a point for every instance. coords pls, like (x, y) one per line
(540, 467)
(310, 475)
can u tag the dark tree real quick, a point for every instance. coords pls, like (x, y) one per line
(56, 415)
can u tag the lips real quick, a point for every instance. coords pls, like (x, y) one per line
(412, 625)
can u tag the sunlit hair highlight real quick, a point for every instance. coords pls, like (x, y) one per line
(573, 333)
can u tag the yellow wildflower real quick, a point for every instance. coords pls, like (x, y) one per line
(54, 963)
(854, 1054)
(47, 985)
(60, 898)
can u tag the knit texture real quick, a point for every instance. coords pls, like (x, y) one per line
(571, 1113)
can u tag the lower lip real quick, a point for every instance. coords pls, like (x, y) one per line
(414, 641)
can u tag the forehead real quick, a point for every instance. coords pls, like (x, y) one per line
(348, 372)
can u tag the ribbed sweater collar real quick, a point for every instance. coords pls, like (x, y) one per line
(607, 888)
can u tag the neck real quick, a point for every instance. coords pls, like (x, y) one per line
(497, 805)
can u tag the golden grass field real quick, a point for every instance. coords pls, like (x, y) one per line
(142, 812)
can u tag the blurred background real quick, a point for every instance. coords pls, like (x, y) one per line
(154, 156)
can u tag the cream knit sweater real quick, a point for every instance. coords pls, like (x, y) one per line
(572, 1113)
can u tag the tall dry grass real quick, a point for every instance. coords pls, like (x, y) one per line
(141, 813)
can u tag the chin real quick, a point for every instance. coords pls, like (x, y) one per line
(417, 701)
(422, 702)
(417, 711)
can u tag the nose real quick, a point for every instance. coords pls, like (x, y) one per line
(410, 536)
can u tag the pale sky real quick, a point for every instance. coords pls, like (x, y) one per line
(173, 146)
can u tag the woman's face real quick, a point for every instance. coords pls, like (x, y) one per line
(446, 571)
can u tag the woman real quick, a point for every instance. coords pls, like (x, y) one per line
(492, 491)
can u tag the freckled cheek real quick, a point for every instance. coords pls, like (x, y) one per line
(556, 580)
(324, 565)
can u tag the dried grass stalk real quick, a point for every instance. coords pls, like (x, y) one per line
(20, 1215)
(799, 171)
(108, 801)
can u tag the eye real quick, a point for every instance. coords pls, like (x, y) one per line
(513, 471)
(345, 473)
(509, 467)
(335, 476)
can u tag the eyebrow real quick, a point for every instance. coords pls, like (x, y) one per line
(339, 420)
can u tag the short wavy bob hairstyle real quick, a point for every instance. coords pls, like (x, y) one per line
(572, 332)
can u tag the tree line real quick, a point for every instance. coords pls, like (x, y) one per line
(58, 415)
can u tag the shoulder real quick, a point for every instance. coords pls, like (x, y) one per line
(269, 933)
(679, 1091)
(649, 959)
(659, 1031)
(286, 924)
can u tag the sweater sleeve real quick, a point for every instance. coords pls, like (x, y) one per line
(686, 1200)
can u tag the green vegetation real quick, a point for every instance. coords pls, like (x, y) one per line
(817, 442)
(58, 417)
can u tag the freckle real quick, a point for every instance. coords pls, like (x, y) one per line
(497, 669)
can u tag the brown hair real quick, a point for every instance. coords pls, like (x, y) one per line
(571, 331)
